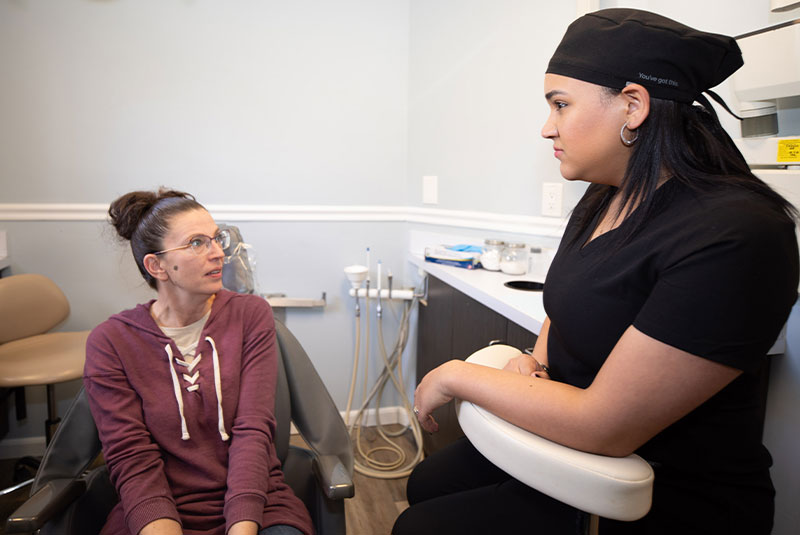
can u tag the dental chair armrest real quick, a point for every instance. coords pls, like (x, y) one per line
(619, 488)
(52, 498)
(333, 477)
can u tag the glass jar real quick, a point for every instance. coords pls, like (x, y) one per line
(539, 264)
(515, 259)
(492, 254)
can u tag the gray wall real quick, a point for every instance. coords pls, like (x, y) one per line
(241, 103)
(264, 103)
(274, 103)
(247, 99)
(476, 104)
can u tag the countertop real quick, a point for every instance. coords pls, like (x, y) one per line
(524, 308)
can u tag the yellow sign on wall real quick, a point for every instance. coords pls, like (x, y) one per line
(788, 150)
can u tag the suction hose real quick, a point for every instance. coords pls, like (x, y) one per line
(357, 356)
(355, 364)
(372, 467)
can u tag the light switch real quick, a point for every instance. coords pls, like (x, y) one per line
(430, 189)
(552, 193)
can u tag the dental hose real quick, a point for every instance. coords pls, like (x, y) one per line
(355, 364)
(388, 470)
(356, 357)
(372, 467)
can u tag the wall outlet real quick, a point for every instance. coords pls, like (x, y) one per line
(430, 190)
(552, 199)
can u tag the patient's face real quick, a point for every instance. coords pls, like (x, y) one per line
(193, 269)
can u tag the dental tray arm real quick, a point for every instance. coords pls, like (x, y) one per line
(315, 416)
(619, 488)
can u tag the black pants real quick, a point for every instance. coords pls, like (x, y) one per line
(458, 491)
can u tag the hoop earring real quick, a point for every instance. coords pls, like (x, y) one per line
(628, 142)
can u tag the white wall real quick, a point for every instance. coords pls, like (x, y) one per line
(782, 432)
(256, 103)
(476, 103)
(230, 100)
(266, 102)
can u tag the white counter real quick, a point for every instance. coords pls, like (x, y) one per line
(522, 307)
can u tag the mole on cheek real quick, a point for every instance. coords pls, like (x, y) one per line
(174, 268)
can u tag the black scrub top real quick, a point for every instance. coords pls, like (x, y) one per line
(713, 273)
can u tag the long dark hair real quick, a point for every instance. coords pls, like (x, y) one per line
(688, 143)
(143, 218)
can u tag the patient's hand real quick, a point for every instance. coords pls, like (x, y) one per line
(245, 527)
(525, 364)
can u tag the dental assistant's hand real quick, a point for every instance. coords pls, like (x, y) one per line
(525, 364)
(432, 393)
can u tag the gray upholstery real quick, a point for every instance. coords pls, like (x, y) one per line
(74, 447)
(315, 415)
(67, 500)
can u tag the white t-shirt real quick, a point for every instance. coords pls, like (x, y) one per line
(187, 338)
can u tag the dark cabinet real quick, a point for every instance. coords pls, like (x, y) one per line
(454, 325)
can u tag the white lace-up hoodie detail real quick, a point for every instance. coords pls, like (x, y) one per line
(191, 379)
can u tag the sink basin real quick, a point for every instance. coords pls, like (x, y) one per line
(528, 286)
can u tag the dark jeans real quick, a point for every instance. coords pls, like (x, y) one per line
(280, 529)
(457, 490)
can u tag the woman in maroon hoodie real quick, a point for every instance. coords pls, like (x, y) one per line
(182, 387)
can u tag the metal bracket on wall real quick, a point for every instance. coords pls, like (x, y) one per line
(279, 303)
(423, 297)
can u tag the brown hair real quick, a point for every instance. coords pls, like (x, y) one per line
(142, 217)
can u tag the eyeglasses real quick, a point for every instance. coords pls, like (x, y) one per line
(200, 244)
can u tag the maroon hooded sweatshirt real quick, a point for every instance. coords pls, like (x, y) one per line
(193, 443)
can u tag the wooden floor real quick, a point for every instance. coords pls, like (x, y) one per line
(377, 502)
(374, 508)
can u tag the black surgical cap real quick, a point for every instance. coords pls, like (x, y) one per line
(614, 47)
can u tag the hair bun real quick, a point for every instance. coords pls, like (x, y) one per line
(126, 212)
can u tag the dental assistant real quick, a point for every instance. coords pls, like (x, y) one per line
(676, 272)
(182, 388)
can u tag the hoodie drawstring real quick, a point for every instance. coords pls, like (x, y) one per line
(217, 387)
(176, 387)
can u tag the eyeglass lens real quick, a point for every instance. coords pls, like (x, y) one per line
(200, 244)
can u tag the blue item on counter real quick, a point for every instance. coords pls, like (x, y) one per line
(448, 256)
(466, 248)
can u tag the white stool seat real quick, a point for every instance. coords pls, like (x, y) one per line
(619, 488)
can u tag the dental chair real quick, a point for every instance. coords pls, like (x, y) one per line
(619, 488)
(72, 493)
